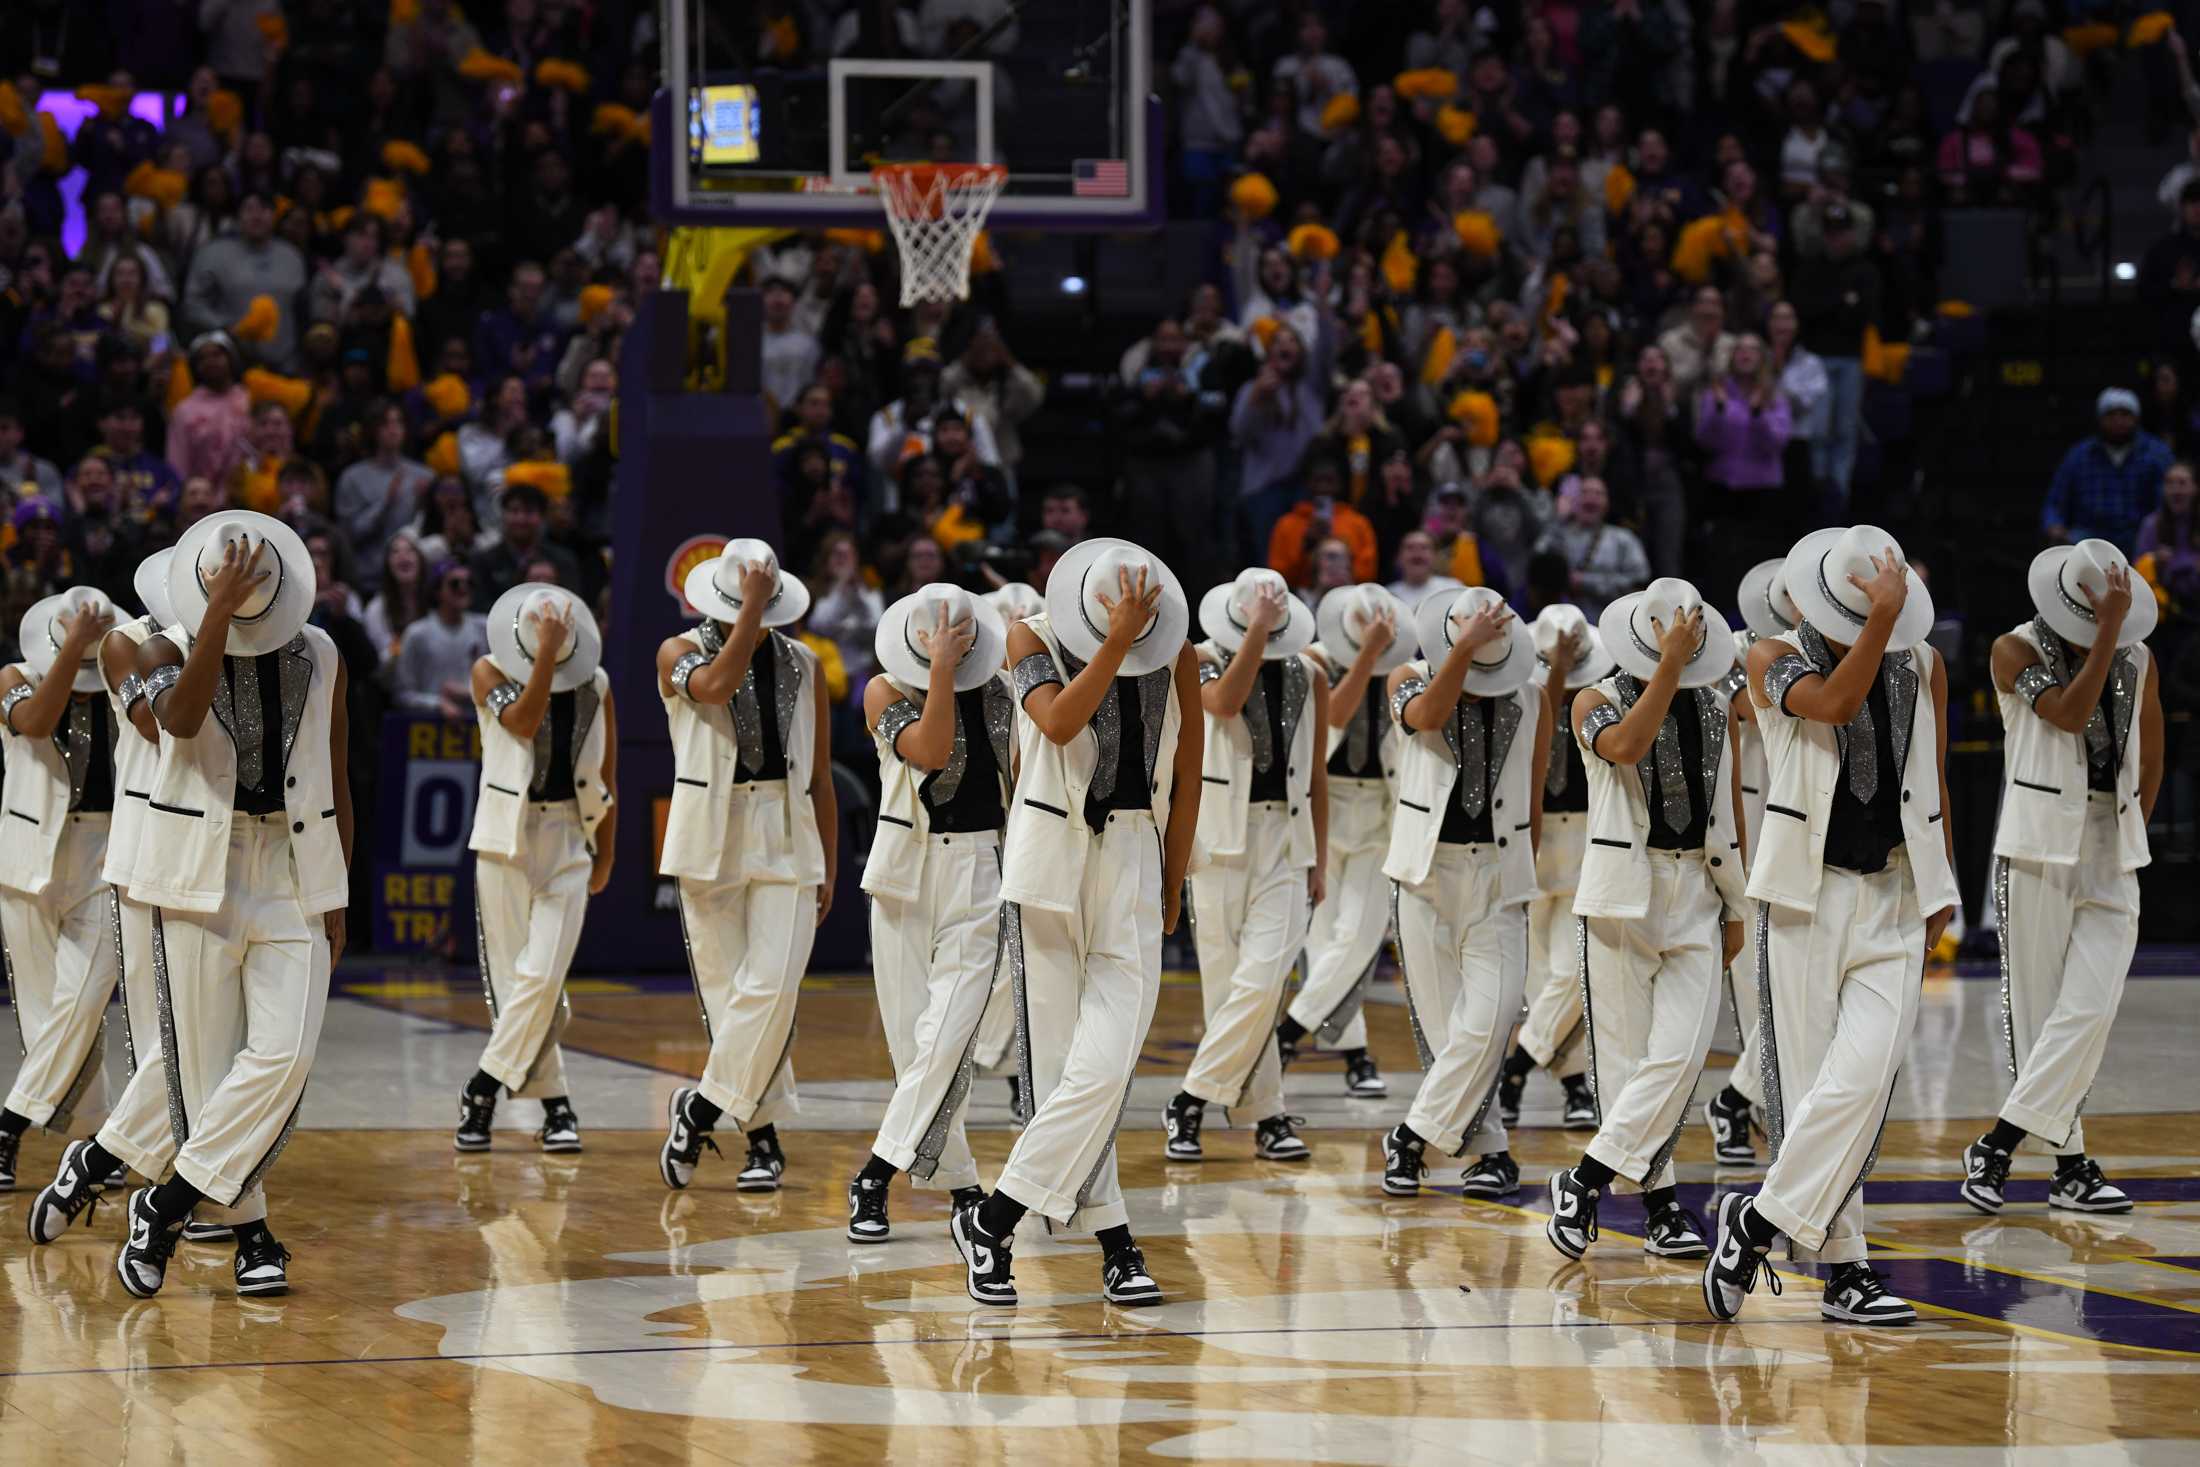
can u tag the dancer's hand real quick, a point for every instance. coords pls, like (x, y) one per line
(332, 922)
(1935, 925)
(1732, 942)
(1317, 885)
(1172, 904)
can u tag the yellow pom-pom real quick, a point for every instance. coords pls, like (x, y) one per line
(1427, 83)
(982, 259)
(179, 379)
(404, 12)
(401, 364)
(225, 112)
(2149, 28)
(1477, 413)
(566, 75)
(1253, 196)
(259, 321)
(53, 148)
(112, 102)
(1550, 456)
(1313, 242)
(1340, 112)
(1811, 37)
(554, 479)
(610, 117)
(404, 157)
(479, 65)
(448, 396)
(164, 186)
(274, 30)
(594, 301)
(14, 116)
(293, 394)
(1619, 188)
(1264, 331)
(1700, 244)
(1455, 124)
(384, 198)
(1401, 267)
(2084, 40)
(442, 455)
(1956, 310)
(1478, 233)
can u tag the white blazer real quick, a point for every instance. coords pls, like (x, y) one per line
(1360, 809)
(1803, 762)
(184, 862)
(508, 772)
(34, 794)
(778, 841)
(2043, 793)
(1044, 849)
(1615, 867)
(1226, 764)
(1428, 775)
(137, 763)
(896, 865)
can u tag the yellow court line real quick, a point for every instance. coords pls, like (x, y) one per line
(1803, 1278)
(1970, 1261)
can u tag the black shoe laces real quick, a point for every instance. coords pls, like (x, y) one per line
(870, 1200)
(1995, 1172)
(1188, 1121)
(1865, 1280)
(1126, 1262)
(1406, 1156)
(261, 1252)
(1278, 1128)
(2083, 1177)
(11, 1145)
(763, 1155)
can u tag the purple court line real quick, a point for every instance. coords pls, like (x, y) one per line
(1067, 1336)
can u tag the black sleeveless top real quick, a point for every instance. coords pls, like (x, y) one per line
(266, 797)
(1861, 835)
(974, 805)
(554, 775)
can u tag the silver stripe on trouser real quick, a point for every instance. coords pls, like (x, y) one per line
(1405, 982)
(933, 1142)
(1768, 1036)
(122, 979)
(171, 1069)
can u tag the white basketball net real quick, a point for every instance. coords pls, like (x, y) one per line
(936, 211)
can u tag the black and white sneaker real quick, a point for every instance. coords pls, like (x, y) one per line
(1287, 1050)
(1730, 1143)
(561, 1129)
(263, 1267)
(763, 1167)
(1509, 1088)
(1985, 1175)
(1674, 1232)
(2082, 1188)
(1581, 1105)
(11, 1147)
(69, 1193)
(1402, 1164)
(1275, 1140)
(987, 1258)
(142, 1265)
(963, 1197)
(1857, 1295)
(1492, 1176)
(1573, 1222)
(1730, 1273)
(476, 1114)
(1362, 1079)
(683, 1148)
(195, 1231)
(1123, 1278)
(867, 1210)
(1180, 1122)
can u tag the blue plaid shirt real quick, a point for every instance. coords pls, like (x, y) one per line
(2094, 497)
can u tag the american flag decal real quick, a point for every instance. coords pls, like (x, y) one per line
(1100, 178)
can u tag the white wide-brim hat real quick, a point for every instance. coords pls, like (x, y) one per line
(41, 635)
(714, 587)
(1086, 572)
(1633, 641)
(512, 634)
(1016, 601)
(1504, 666)
(1346, 612)
(2062, 574)
(277, 609)
(1763, 599)
(1565, 621)
(1224, 609)
(150, 581)
(1817, 577)
(911, 665)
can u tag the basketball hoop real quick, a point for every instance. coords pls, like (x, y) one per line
(936, 211)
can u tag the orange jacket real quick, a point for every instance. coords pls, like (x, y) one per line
(1290, 556)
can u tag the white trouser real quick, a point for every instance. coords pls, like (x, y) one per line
(257, 969)
(61, 971)
(139, 1131)
(1653, 1004)
(1248, 923)
(1465, 963)
(748, 942)
(2067, 937)
(529, 911)
(1086, 983)
(1748, 1075)
(934, 959)
(992, 1048)
(1839, 986)
(1553, 1033)
(1345, 938)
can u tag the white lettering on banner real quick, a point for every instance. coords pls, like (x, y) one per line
(438, 811)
